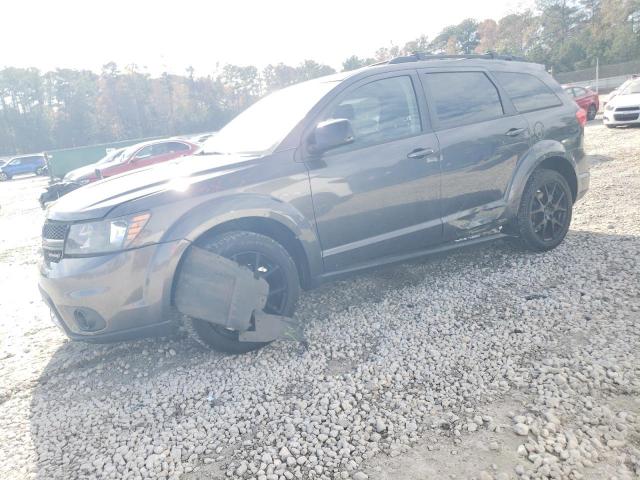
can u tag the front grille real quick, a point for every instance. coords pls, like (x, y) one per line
(53, 237)
(625, 117)
(54, 230)
(627, 109)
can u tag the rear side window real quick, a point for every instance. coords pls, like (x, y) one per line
(527, 92)
(464, 97)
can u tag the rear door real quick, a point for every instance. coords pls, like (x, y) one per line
(481, 139)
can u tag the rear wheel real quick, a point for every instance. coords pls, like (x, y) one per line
(267, 259)
(40, 171)
(4, 177)
(545, 211)
(592, 112)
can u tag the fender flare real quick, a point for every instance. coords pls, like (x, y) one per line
(540, 152)
(220, 210)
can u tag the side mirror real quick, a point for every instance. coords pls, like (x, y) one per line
(330, 134)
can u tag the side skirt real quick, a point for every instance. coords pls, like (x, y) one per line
(460, 243)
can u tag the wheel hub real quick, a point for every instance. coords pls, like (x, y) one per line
(548, 211)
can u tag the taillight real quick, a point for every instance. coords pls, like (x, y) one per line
(581, 116)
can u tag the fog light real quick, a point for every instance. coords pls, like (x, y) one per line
(88, 320)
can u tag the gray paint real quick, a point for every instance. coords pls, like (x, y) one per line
(348, 211)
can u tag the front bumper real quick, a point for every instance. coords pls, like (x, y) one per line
(115, 296)
(629, 117)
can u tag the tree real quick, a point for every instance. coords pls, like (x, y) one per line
(517, 34)
(279, 76)
(66, 107)
(310, 69)
(457, 39)
(354, 62)
(487, 36)
(420, 44)
(558, 19)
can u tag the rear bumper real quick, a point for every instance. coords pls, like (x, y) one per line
(113, 297)
(583, 184)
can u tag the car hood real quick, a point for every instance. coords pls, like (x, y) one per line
(95, 200)
(631, 100)
(81, 173)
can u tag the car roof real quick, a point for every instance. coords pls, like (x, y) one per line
(155, 142)
(510, 64)
(27, 156)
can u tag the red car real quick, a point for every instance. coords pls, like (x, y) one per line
(135, 156)
(587, 99)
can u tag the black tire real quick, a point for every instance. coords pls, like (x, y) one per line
(257, 252)
(4, 177)
(545, 211)
(592, 112)
(610, 126)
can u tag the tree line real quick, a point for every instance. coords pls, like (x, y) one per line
(66, 108)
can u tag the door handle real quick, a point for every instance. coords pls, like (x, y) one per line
(514, 132)
(421, 153)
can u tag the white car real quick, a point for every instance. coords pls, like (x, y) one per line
(624, 108)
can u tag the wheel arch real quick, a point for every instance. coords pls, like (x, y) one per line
(546, 154)
(270, 228)
(564, 168)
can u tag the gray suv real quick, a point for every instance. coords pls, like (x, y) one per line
(416, 155)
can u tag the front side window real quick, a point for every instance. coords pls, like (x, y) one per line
(527, 92)
(178, 147)
(145, 152)
(379, 111)
(160, 149)
(464, 97)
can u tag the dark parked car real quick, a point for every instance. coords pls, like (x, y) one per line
(586, 98)
(318, 180)
(118, 161)
(35, 164)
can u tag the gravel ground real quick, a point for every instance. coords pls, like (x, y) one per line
(487, 363)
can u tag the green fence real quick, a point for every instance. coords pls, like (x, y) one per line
(67, 159)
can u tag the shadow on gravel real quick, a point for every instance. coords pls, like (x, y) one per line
(94, 375)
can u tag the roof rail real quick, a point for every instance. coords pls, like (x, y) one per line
(418, 56)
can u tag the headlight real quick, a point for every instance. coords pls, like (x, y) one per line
(608, 107)
(105, 236)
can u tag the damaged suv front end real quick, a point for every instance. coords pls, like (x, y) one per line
(121, 256)
(103, 281)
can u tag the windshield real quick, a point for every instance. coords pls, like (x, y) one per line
(111, 157)
(633, 87)
(261, 127)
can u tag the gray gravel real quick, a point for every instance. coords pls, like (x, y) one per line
(493, 363)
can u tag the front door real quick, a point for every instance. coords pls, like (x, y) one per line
(481, 140)
(378, 196)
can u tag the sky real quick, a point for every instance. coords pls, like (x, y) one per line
(164, 35)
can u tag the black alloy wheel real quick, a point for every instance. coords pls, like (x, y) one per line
(548, 211)
(545, 211)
